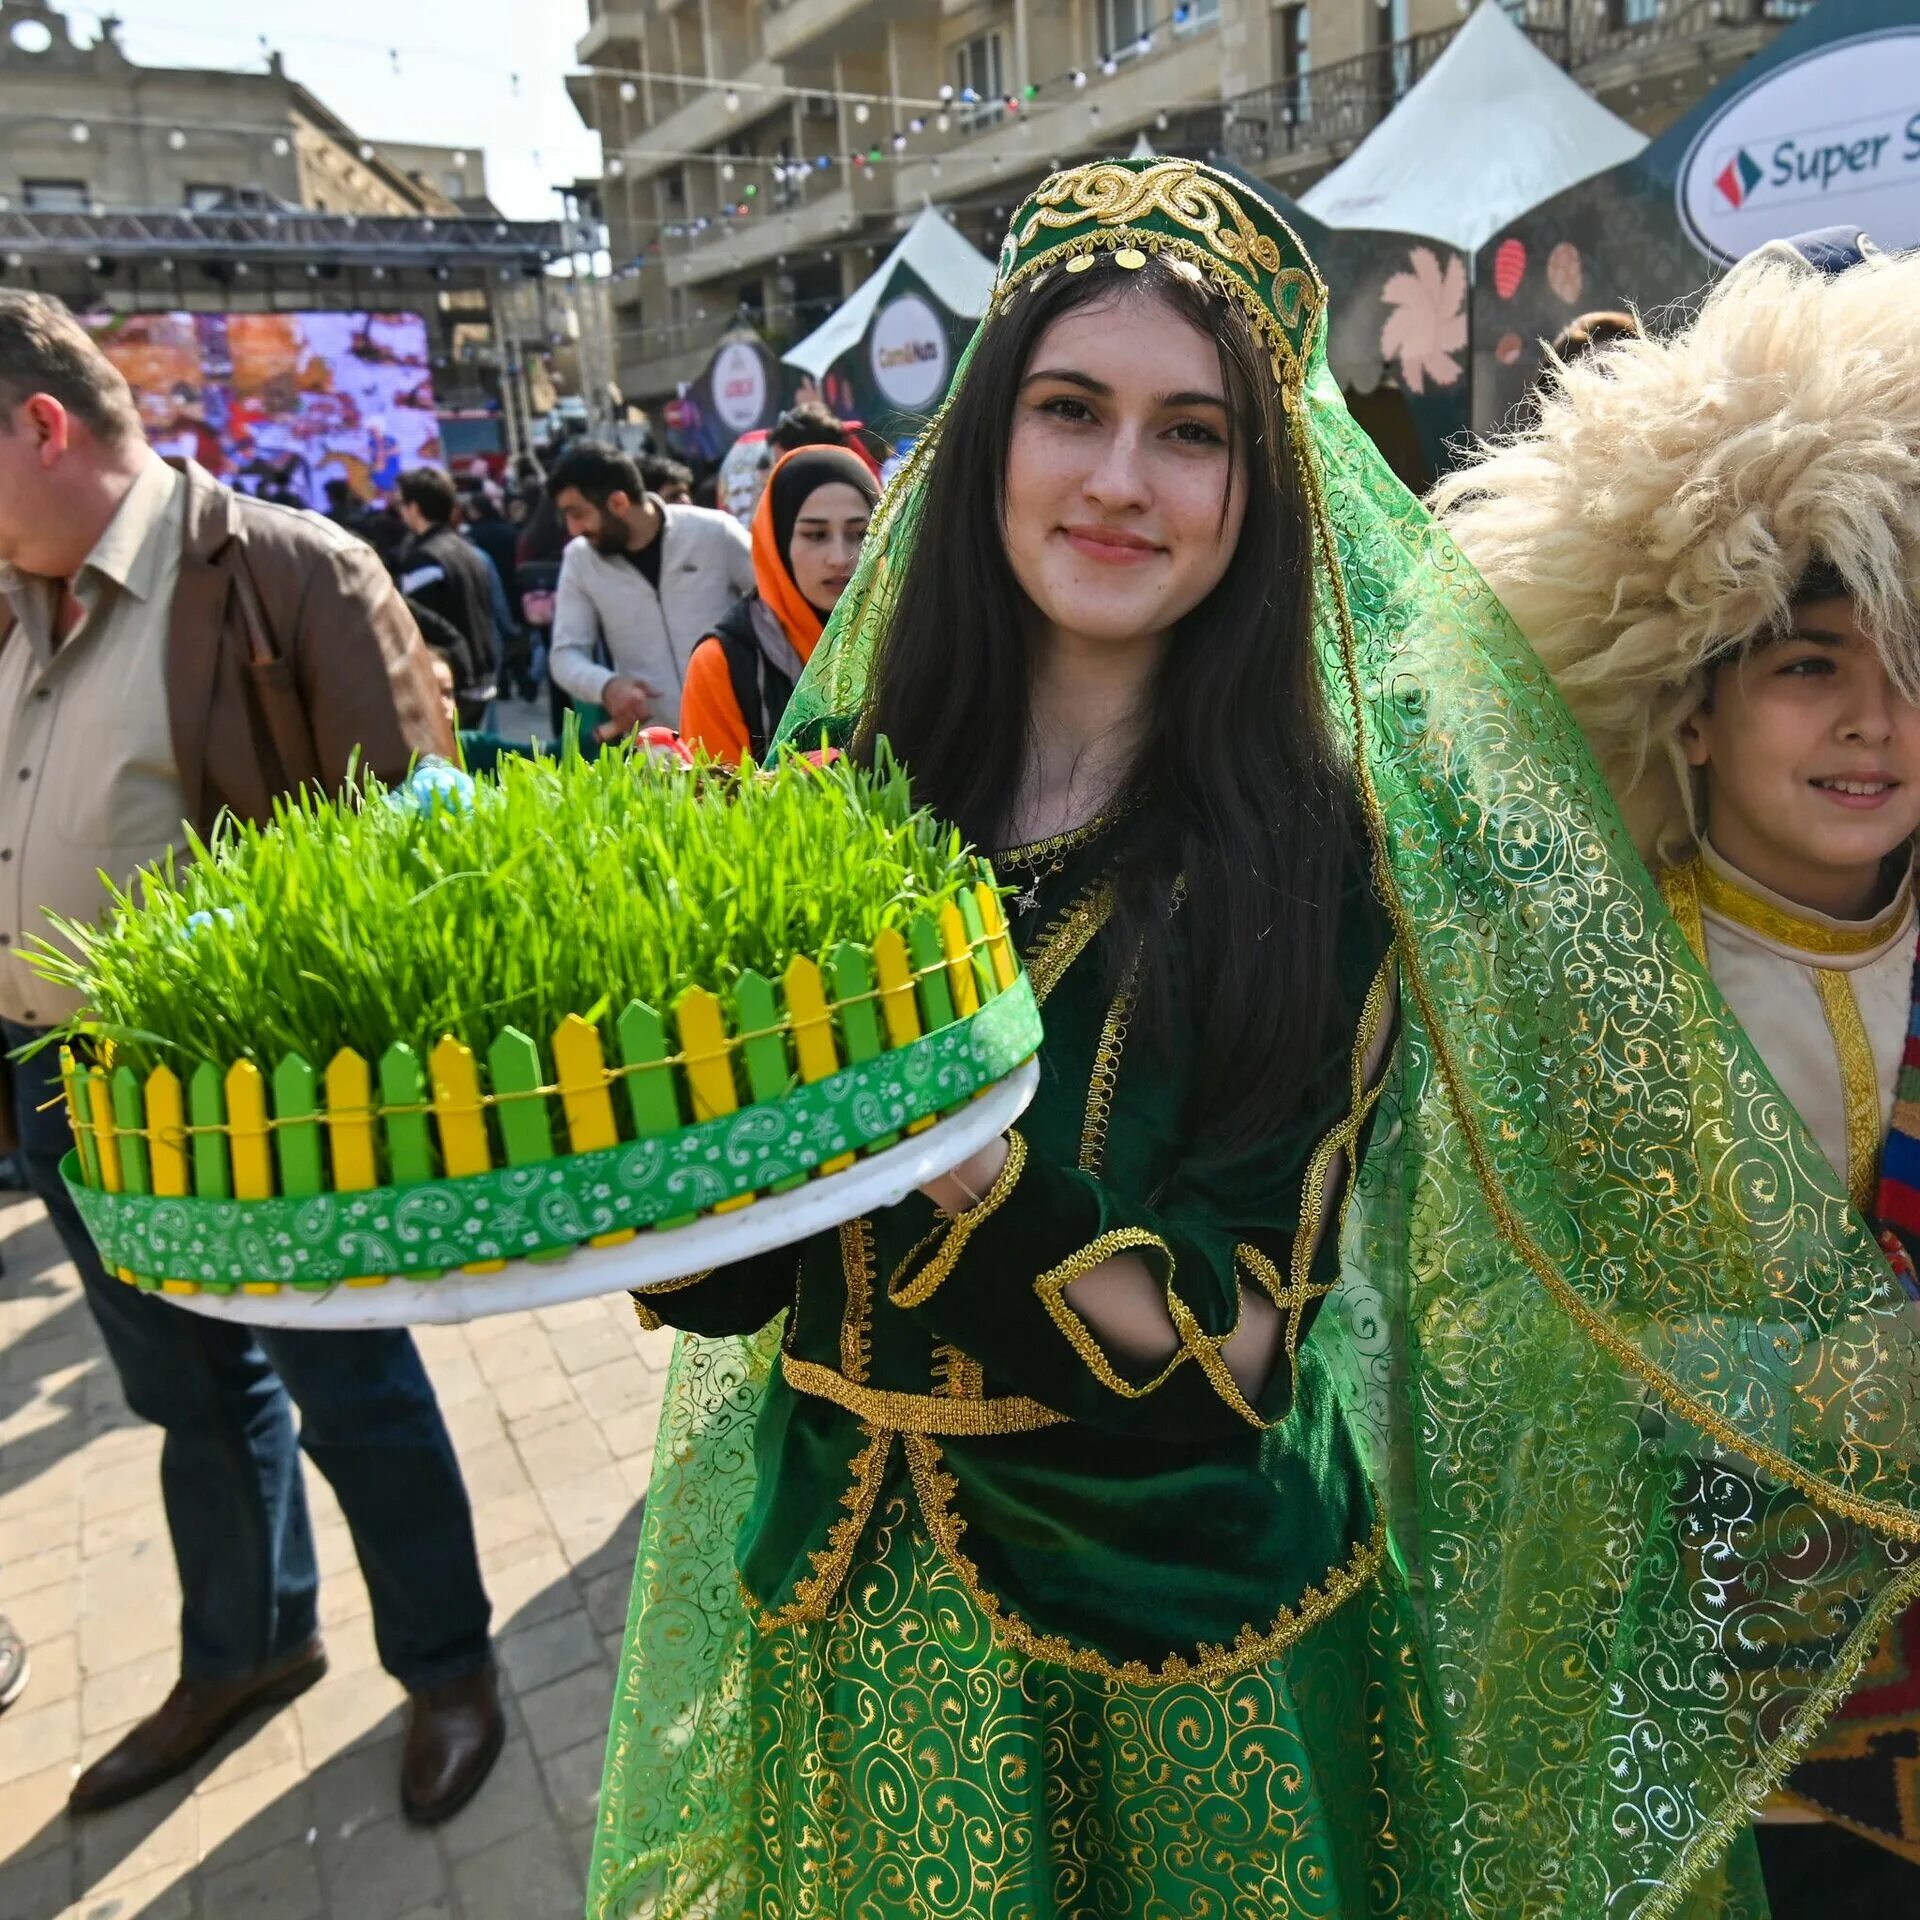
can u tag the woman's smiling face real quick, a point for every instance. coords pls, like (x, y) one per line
(1124, 499)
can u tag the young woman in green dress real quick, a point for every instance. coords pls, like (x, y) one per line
(1015, 1552)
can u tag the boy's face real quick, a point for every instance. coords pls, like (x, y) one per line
(1812, 761)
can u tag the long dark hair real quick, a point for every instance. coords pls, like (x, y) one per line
(1244, 794)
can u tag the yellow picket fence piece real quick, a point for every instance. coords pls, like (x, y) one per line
(461, 1118)
(166, 1132)
(812, 1024)
(349, 1088)
(580, 1070)
(893, 970)
(106, 1141)
(1006, 969)
(705, 1052)
(953, 937)
(246, 1091)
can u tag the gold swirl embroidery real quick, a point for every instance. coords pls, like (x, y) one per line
(1106, 1071)
(968, 1419)
(856, 1321)
(953, 1238)
(1859, 1083)
(1882, 1515)
(935, 1488)
(812, 1595)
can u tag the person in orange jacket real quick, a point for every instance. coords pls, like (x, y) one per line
(807, 532)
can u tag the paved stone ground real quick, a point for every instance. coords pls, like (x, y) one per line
(297, 1817)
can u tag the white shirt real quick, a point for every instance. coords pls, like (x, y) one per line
(1824, 1001)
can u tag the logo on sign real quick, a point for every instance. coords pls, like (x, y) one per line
(908, 354)
(739, 382)
(1830, 139)
(1741, 176)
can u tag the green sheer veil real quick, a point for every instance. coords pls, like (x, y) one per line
(1634, 1384)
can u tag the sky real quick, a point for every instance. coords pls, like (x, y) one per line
(437, 73)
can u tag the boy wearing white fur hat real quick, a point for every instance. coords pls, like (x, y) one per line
(1712, 540)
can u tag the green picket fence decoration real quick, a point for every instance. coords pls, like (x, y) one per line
(130, 1119)
(769, 1073)
(930, 963)
(526, 1127)
(653, 1100)
(513, 1067)
(206, 1115)
(850, 976)
(409, 1145)
(296, 1137)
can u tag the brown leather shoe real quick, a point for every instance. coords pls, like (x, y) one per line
(189, 1721)
(454, 1735)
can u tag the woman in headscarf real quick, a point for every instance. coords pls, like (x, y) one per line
(807, 534)
(1071, 1551)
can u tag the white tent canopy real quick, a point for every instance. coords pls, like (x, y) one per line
(1493, 128)
(955, 272)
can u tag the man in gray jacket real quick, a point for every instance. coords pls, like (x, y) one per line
(641, 585)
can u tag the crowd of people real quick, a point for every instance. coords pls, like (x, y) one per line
(1093, 1553)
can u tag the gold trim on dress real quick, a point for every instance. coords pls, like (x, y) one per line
(965, 1419)
(649, 1320)
(1068, 938)
(1052, 1287)
(1251, 1646)
(830, 1563)
(856, 1323)
(955, 1235)
(1680, 889)
(1106, 1070)
(1859, 1082)
(1730, 901)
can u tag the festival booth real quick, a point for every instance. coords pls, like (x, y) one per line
(1402, 218)
(1820, 130)
(886, 356)
(737, 391)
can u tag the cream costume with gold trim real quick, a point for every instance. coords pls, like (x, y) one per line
(1825, 1001)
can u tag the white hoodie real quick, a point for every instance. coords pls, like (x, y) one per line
(606, 610)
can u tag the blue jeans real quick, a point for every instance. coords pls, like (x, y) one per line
(230, 1465)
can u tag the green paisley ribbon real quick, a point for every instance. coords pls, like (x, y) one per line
(319, 1240)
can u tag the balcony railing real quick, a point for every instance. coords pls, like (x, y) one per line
(1337, 106)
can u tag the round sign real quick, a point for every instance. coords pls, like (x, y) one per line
(739, 386)
(1828, 140)
(908, 353)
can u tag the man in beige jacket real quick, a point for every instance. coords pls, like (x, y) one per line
(170, 649)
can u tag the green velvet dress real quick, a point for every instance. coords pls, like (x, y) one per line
(1035, 1632)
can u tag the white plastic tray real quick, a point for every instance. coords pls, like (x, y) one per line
(776, 1221)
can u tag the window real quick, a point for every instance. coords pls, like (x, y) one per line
(1294, 62)
(1122, 22)
(453, 183)
(206, 197)
(55, 196)
(977, 63)
(1196, 14)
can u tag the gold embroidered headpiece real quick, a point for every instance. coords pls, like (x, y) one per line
(1130, 209)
